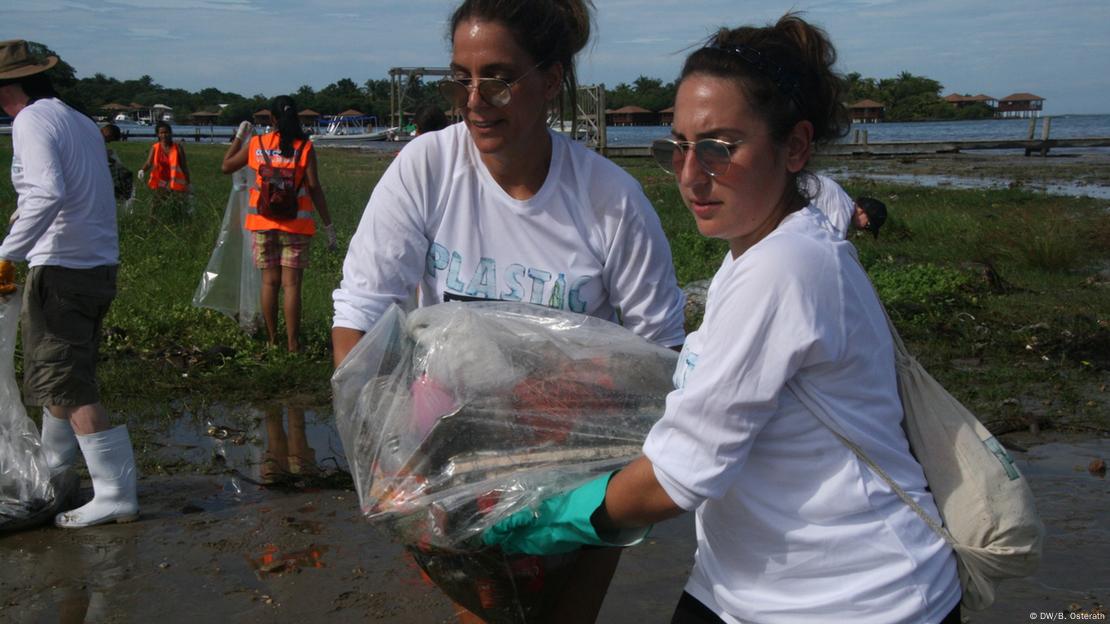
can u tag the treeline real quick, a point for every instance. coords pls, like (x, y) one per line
(906, 97)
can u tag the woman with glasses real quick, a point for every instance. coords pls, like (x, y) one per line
(791, 525)
(500, 207)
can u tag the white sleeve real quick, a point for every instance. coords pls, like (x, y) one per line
(387, 254)
(639, 274)
(772, 317)
(39, 182)
(835, 204)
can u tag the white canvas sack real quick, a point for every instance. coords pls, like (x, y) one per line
(990, 519)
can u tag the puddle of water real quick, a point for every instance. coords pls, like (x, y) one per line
(272, 445)
(960, 182)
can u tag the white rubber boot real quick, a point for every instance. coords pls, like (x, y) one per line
(111, 463)
(59, 443)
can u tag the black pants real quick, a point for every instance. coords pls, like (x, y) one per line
(691, 611)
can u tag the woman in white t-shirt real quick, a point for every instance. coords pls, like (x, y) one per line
(791, 525)
(500, 207)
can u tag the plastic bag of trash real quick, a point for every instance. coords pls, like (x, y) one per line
(27, 495)
(457, 415)
(231, 283)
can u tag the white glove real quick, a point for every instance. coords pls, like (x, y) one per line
(329, 229)
(244, 130)
(140, 174)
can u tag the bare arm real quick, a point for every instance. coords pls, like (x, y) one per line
(235, 158)
(315, 190)
(635, 499)
(149, 161)
(343, 339)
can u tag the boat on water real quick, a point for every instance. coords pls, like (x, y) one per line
(351, 130)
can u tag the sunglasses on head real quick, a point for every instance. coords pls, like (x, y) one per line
(493, 91)
(713, 155)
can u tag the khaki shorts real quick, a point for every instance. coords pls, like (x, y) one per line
(62, 313)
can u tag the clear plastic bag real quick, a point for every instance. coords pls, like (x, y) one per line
(458, 415)
(27, 495)
(231, 283)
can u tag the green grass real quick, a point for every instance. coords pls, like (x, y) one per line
(1040, 333)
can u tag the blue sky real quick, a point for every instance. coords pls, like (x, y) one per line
(1059, 50)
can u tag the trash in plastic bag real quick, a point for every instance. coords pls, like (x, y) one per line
(458, 415)
(231, 283)
(28, 497)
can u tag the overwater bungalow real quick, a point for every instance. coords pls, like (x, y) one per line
(1022, 105)
(963, 101)
(867, 111)
(631, 115)
(203, 118)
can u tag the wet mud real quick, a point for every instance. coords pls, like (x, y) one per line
(255, 523)
(1063, 172)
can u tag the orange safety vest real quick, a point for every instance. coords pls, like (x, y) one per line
(303, 223)
(167, 172)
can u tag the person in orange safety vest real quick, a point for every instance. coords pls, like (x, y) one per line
(279, 244)
(166, 164)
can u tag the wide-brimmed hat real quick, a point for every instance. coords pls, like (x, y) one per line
(16, 60)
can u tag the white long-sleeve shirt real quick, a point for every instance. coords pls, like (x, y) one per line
(67, 209)
(791, 525)
(588, 241)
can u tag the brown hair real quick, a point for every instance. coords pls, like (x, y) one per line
(551, 31)
(786, 72)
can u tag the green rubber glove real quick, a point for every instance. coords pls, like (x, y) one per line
(561, 524)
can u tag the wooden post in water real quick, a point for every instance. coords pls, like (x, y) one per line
(1032, 135)
(1045, 125)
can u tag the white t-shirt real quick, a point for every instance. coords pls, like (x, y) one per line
(791, 526)
(831, 200)
(588, 241)
(67, 205)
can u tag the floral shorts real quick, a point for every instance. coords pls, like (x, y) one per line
(271, 248)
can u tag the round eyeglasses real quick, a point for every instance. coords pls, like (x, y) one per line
(493, 91)
(713, 155)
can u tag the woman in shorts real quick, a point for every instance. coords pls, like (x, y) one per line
(280, 242)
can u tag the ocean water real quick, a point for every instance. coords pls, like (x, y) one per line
(1062, 127)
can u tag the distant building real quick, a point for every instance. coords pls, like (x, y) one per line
(309, 118)
(867, 111)
(203, 118)
(963, 101)
(631, 116)
(263, 117)
(666, 116)
(1020, 105)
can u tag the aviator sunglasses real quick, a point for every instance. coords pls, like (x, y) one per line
(713, 155)
(493, 91)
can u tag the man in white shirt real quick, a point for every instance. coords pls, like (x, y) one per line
(66, 231)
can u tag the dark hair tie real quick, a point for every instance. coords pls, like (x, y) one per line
(786, 81)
